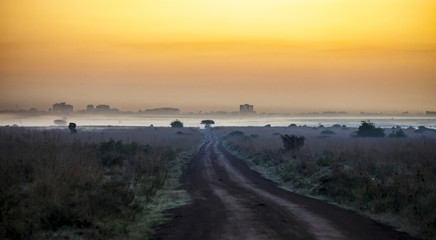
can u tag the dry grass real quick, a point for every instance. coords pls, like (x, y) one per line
(390, 179)
(54, 184)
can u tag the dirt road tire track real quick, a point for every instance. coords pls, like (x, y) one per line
(231, 201)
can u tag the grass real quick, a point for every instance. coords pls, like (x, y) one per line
(54, 184)
(392, 180)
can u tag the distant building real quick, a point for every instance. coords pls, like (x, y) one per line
(429, 113)
(62, 107)
(246, 109)
(90, 108)
(102, 108)
(163, 111)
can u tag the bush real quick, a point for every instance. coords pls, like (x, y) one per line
(49, 184)
(176, 124)
(368, 129)
(327, 131)
(292, 142)
(114, 153)
(398, 134)
(72, 127)
(236, 134)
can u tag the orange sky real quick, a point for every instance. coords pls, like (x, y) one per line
(280, 55)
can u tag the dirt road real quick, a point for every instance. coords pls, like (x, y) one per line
(230, 201)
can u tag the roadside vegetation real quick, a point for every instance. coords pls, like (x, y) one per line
(101, 184)
(390, 179)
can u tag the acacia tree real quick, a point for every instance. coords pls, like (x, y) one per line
(207, 123)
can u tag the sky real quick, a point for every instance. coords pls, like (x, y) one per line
(210, 55)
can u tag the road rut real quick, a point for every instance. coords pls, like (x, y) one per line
(231, 201)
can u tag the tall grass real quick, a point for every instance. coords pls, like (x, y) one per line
(54, 184)
(390, 179)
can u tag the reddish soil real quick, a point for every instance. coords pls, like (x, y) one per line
(231, 201)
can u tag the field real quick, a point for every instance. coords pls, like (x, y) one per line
(390, 179)
(95, 184)
(119, 182)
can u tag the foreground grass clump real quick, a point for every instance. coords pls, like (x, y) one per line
(390, 179)
(56, 186)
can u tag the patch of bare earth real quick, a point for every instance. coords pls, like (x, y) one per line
(231, 201)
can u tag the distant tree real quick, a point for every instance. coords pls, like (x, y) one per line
(268, 125)
(72, 127)
(368, 129)
(292, 142)
(176, 124)
(207, 123)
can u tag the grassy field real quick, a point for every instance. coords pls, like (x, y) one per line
(389, 179)
(95, 184)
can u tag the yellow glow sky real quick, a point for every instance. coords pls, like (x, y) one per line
(280, 55)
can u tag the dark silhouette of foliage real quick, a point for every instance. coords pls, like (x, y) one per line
(176, 124)
(207, 123)
(422, 129)
(368, 129)
(236, 134)
(115, 152)
(398, 134)
(72, 127)
(327, 131)
(292, 125)
(268, 125)
(292, 142)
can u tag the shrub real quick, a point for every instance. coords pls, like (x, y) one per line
(398, 134)
(292, 142)
(368, 129)
(235, 134)
(327, 131)
(72, 127)
(176, 124)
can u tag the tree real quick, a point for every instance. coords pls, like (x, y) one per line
(176, 124)
(368, 129)
(207, 123)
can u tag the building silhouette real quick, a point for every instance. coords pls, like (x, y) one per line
(430, 113)
(163, 111)
(62, 107)
(102, 108)
(90, 108)
(246, 109)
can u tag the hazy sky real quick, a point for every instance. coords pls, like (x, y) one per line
(280, 55)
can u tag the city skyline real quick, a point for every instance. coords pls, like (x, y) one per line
(244, 109)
